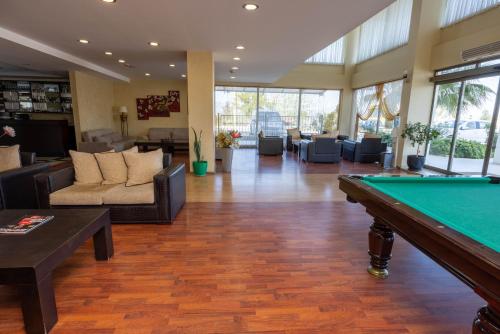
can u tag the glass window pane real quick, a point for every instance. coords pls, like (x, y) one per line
(319, 110)
(332, 54)
(474, 126)
(278, 111)
(443, 117)
(490, 62)
(494, 163)
(236, 108)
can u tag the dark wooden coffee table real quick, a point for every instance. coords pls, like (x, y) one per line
(27, 261)
(167, 146)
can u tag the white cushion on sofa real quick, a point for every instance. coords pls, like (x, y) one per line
(86, 168)
(142, 167)
(9, 158)
(139, 194)
(85, 194)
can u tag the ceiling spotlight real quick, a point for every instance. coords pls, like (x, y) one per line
(233, 77)
(250, 7)
(240, 47)
(183, 75)
(108, 53)
(235, 68)
(147, 74)
(236, 58)
(154, 43)
(109, 1)
(122, 61)
(172, 65)
(83, 41)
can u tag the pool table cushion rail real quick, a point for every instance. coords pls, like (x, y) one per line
(468, 205)
(473, 263)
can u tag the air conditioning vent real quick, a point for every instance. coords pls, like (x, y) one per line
(481, 52)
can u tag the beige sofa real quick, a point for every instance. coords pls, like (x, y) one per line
(102, 140)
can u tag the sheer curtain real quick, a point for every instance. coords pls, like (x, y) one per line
(332, 54)
(458, 10)
(387, 30)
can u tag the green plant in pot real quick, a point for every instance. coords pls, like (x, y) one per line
(418, 134)
(200, 165)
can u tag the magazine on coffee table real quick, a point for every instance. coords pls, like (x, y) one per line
(25, 224)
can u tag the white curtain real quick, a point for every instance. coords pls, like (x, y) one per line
(332, 54)
(385, 31)
(458, 10)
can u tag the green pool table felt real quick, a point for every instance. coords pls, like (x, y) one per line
(468, 205)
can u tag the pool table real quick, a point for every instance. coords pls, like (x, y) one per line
(454, 220)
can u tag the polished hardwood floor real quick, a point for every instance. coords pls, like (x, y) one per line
(242, 262)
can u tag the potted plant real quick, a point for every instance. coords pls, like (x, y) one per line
(418, 134)
(226, 141)
(200, 165)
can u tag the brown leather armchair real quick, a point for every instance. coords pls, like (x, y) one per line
(17, 186)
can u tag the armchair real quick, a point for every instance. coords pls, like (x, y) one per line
(368, 150)
(270, 146)
(321, 150)
(17, 186)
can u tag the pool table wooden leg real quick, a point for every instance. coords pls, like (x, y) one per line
(487, 321)
(380, 240)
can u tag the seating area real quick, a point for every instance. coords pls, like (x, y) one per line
(250, 167)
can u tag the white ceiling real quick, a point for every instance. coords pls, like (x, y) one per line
(277, 37)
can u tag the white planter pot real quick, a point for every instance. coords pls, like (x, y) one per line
(226, 155)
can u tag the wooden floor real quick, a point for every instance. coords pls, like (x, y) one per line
(241, 262)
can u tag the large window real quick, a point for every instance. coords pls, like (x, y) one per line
(332, 54)
(385, 31)
(458, 10)
(251, 110)
(464, 112)
(377, 107)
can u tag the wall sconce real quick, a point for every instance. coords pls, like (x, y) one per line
(123, 119)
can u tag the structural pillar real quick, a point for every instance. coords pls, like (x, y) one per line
(200, 85)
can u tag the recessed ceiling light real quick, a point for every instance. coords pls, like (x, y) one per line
(237, 58)
(240, 47)
(172, 65)
(233, 77)
(235, 68)
(183, 75)
(108, 53)
(121, 61)
(154, 43)
(250, 7)
(147, 74)
(109, 1)
(83, 41)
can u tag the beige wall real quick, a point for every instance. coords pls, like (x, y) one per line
(200, 76)
(92, 102)
(473, 32)
(125, 94)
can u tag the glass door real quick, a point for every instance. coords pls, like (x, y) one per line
(478, 104)
(465, 111)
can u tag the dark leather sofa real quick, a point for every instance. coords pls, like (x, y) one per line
(367, 151)
(169, 195)
(17, 186)
(321, 150)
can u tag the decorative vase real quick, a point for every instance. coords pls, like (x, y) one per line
(415, 162)
(227, 159)
(200, 168)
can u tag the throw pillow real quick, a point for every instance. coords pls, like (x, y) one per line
(86, 168)
(113, 167)
(9, 157)
(142, 167)
(295, 133)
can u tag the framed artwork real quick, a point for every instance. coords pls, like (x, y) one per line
(173, 101)
(158, 106)
(142, 109)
